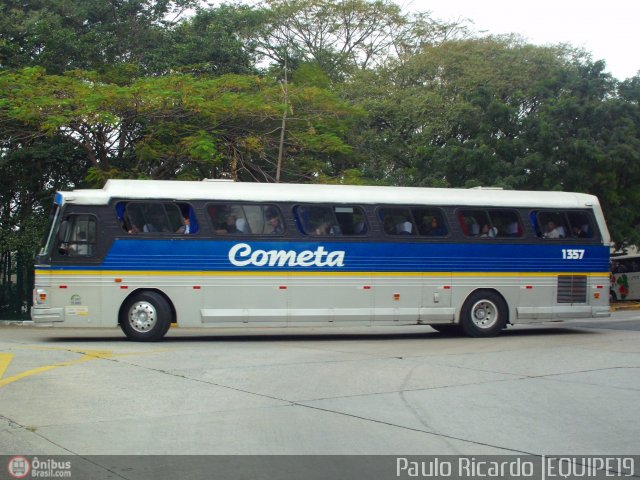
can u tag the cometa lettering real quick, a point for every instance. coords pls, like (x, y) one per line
(241, 255)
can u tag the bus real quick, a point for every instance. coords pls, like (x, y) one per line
(625, 278)
(146, 254)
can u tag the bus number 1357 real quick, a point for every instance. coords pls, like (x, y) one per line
(572, 254)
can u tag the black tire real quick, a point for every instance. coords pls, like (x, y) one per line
(145, 317)
(484, 314)
(447, 329)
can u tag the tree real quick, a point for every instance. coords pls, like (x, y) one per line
(216, 41)
(344, 36)
(30, 170)
(499, 112)
(62, 35)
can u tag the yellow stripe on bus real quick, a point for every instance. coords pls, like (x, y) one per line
(112, 273)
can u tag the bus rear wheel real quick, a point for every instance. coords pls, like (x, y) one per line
(484, 314)
(145, 317)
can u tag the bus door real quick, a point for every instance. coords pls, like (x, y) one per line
(75, 281)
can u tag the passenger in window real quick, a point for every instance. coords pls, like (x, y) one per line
(488, 231)
(436, 229)
(155, 223)
(425, 225)
(81, 248)
(554, 231)
(578, 232)
(129, 226)
(389, 225)
(275, 223)
(186, 225)
(242, 226)
(583, 231)
(404, 227)
(230, 225)
(322, 229)
(512, 229)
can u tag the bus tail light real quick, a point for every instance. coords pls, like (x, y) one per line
(40, 296)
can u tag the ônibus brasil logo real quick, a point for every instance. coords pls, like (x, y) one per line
(241, 255)
(18, 467)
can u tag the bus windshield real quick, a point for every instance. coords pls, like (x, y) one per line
(48, 238)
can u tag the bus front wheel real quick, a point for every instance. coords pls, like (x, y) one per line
(145, 317)
(484, 314)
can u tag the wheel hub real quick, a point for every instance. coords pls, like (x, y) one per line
(484, 314)
(142, 316)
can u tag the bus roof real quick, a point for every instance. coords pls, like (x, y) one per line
(314, 193)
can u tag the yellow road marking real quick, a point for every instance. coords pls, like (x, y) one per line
(5, 360)
(87, 356)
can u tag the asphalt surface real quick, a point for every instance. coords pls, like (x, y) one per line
(570, 388)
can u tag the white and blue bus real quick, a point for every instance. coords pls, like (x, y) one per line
(145, 254)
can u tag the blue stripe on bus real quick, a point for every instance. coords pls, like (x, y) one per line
(205, 255)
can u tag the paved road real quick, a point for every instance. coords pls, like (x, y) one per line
(550, 389)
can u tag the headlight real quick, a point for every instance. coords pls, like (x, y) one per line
(39, 296)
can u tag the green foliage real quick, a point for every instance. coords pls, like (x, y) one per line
(498, 112)
(176, 125)
(92, 90)
(61, 35)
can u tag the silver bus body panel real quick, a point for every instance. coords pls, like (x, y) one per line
(385, 301)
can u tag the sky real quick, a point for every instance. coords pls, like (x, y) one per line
(609, 29)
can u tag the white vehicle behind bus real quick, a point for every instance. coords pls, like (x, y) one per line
(625, 278)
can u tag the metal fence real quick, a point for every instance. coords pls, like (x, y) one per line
(16, 285)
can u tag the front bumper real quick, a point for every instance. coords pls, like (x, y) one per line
(47, 315)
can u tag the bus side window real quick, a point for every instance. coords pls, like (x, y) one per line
(317, 221)
(553, 224)
(430, 221)
(182, 218)
(581, 226)
(227, 219)
(249, 219)
(156, 217)
(506, 222)
(397, 221)
(351, 220)
(476, 223)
